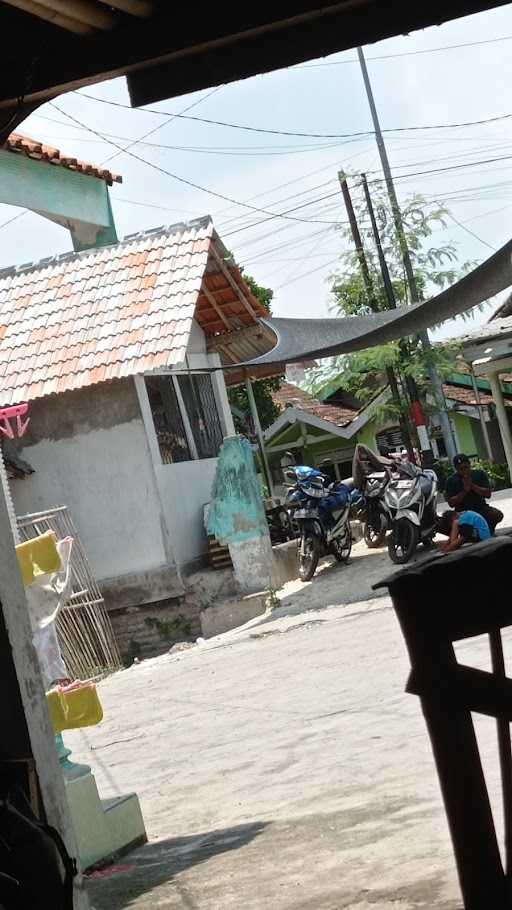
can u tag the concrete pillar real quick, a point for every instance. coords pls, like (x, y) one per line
(483, 424)
(506, 435)
(236, 516)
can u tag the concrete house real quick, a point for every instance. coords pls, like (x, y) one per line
(315, 429)
(110, 346)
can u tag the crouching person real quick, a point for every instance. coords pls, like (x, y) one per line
(461, 528)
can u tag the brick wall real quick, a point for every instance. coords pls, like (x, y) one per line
(147, 631)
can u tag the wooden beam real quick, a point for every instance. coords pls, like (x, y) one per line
(227, 42)
(56, 17)
(237, 289)
(141, 8)
(211, 300)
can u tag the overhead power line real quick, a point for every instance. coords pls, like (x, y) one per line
(441, 170)
(427, 50)
(271, 132)
(185, 180)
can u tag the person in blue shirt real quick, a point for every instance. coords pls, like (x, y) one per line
(461, 528)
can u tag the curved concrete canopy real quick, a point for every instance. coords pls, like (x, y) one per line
(306, 339)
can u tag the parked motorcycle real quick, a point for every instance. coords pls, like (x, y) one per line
(410, 498)
(321, 513)
(279, 522)
(373, 473)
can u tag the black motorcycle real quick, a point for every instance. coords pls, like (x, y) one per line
(372, 474)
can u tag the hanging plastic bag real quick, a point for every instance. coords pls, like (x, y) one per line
(46, 570)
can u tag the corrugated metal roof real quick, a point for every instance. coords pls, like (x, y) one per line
(82, 318)
(291, 396)
(32, 148)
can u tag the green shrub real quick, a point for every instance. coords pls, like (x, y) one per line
(444, 470)
(498, 474)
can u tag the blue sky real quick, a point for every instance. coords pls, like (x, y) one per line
(268, 171)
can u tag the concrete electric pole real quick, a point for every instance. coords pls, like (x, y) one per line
(436, 384)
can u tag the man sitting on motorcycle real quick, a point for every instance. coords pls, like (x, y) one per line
(470, 489)
(461, 528)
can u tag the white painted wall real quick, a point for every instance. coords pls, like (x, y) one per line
(106, 478)
(185, 489)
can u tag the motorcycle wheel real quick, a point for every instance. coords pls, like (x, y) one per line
(428, 543)
(309, 560)
(342, 546)
(373, 538)
(403, 541)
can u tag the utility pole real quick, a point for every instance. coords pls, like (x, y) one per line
(436, 384)
(407, 381)
(372, 300)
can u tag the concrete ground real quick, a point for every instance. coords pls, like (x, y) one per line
(281, 766)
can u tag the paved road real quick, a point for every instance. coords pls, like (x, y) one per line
(280, 767)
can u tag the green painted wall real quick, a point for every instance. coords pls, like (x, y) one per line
(78, 202)
(464, 430)
(367, 435)
(470, 435)
(336, 446)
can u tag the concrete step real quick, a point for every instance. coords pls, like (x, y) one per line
(104, 828)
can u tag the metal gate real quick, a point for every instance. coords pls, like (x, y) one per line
(86, 638)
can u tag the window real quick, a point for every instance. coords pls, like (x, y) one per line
(201, 407)
(185, 416)
(170, 431)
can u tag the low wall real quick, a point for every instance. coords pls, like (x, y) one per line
(149, 630)
(286, 563)
(230, 614)
(149, 587)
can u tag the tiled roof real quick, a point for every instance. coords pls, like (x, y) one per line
(467, 396)
(31, 148)
(290, 396)
(73, 320)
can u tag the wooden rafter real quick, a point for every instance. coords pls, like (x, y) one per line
(236, 287)
(213, 303)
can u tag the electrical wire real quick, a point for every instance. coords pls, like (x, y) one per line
(441, 170)
(161, 126)
(472, 233)
(256, 129)
(428, 50)
(306, 274)
(184, 180)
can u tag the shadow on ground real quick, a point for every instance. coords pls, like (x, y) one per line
(158, 863)
(336, 584)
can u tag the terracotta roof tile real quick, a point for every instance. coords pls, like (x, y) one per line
(32, 148)
(87, 317)
(466, 395)
(289, 395)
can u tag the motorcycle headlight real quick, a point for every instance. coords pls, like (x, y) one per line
(392, 498)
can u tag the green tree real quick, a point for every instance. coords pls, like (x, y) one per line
(435, 266)
(263, 388)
